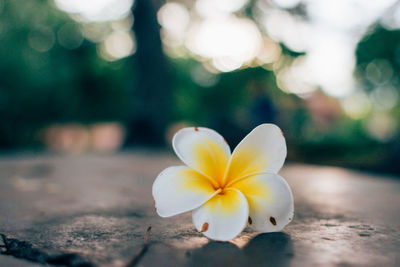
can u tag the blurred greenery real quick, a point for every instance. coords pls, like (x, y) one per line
(51, 74)
(55, 85)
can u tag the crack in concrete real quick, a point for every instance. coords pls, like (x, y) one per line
(25, 250)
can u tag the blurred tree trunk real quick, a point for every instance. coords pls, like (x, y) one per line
(150, 115)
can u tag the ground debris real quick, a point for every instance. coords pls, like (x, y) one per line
(135, 260)
(25, 250)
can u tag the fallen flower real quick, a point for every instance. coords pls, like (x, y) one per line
(227, 191)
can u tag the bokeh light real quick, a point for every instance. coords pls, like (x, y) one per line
(290, 30)
(385, 98)
(96, 10)
(270, 51)
(229, 41)
(211, 8)
(42, 40)
(381, 126)
(203, 77)
(379, 71)
(297, 78)
(357, 105)
(174, 18)
(118, 45)
(70, 36)
(391, 20)
(287, 3)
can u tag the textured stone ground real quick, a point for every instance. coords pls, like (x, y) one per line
(97, 208)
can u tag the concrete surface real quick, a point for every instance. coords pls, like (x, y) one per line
(99, 207)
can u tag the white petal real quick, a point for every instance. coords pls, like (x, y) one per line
(223, 217)
(180, 189)
(203, 150)
(262, 150)
(270, 201)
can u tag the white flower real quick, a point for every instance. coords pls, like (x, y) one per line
(227, 191)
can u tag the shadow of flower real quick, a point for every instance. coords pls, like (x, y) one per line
(217, 254)
(272, 249)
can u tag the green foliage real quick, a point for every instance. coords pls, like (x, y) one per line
(380, 52)
(43, 82)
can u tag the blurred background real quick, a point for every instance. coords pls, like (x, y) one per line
(84, 76)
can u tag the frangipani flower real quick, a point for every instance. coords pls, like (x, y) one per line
(225, 191)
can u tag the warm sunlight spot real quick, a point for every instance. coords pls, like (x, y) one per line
(207, 8)
(96, 10)
(357, 106)
(269, 52)
(382, 127)
(227, 40)
(118, 45)
(296, 78)
(292, 31)
(174, 17)
(287, 3)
